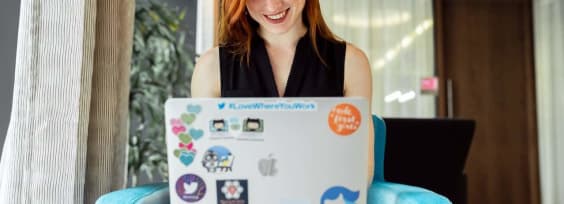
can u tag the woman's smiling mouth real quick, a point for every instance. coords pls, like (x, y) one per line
(278, 17)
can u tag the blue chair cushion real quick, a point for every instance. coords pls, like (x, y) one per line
(393, 193)
(378, 193)
(146, 194)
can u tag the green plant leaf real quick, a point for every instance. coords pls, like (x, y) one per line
(182, 14)
(160, 68)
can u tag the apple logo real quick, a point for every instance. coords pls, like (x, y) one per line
(267, 166)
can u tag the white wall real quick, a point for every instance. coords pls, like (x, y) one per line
(205, 24)
(397, 37)
(549, 59)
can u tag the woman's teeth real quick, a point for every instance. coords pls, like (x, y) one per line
(277, 16)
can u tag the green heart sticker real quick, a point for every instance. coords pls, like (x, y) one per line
(185, 138)
(188, 118)
(177, 152)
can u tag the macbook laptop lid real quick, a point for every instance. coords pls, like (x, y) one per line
(267, 150)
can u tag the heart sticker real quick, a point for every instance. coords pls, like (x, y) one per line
(194, 109)
(187, 158)
(196, 133)
(188, 118)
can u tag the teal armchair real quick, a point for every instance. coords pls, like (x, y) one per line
(380, 192)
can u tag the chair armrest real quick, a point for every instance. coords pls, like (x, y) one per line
(393, 193)
(378, 193)
(146, 194)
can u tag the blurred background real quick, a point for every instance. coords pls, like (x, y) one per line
(498, 62)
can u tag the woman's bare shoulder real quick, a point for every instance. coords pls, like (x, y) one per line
(355, 55)
(209, 58)
(206, 76)
(358, 75)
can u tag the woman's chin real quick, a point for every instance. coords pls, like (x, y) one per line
(276, 30)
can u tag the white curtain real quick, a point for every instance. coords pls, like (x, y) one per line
(67, 135)
(549, 59)
(397, 36)
(205, 25)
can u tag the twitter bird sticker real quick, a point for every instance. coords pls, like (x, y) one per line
(190, 188)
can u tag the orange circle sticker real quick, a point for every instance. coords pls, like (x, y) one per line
(344, 119)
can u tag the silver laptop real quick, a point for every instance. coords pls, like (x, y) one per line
(267, 150)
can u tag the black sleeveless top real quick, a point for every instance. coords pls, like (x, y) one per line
(309, 77)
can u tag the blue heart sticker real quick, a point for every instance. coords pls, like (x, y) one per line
(196, 133)
(194, 109)
(187, 158)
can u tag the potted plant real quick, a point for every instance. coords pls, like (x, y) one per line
(160, 68)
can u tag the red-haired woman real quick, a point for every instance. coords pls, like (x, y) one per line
(280, 48)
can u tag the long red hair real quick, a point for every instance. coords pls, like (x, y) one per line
(236, 30)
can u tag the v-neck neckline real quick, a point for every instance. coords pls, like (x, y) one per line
(296, 69)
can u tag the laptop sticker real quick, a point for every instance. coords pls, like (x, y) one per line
(178, 129)
(188, 118)
(196, 133)
(186, 157)
(252, 129)
(190, 188)
(189, 146)
(267, 166)
(221, 128)
(244, 128)
(232, 192)
(253, 125)
(344, 119)
(218, 159)
(235, 124)
(186, 151)
(177, 126)
(337, 193)
(187, 137)
(193, 108)
(219, 125)
(221, 105)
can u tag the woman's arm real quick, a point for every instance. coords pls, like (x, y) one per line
(358, 82)
(206, 77)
